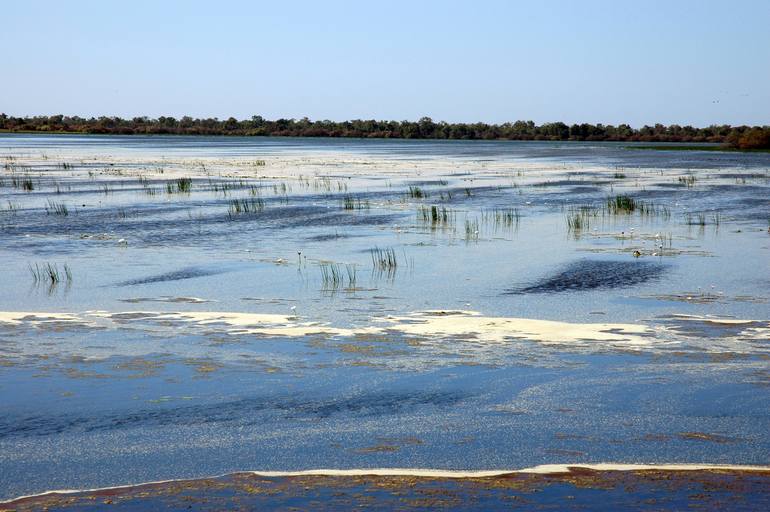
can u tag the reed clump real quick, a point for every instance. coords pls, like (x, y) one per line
(349, 202)
(502, 217)
(416, 193)
(436, 216)
(384, 259)
(248, 206)
(336, 275)
(180, 185)
(49, 273)
(626, 205)
(25, 183)
(54, 208)
(579, 218)
(621, 204)
(472, 229)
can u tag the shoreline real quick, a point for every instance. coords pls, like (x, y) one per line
(543, 470)
(630, 144)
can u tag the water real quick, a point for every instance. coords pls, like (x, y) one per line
(190, 343)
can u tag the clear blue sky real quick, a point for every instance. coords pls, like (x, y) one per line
(687, 62)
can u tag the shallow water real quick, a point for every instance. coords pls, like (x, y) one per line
(192, 342)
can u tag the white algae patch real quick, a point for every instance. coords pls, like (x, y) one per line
(442, 327)
(471, 324)
(22, 317)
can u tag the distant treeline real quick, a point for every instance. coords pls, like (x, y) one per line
(742, 137)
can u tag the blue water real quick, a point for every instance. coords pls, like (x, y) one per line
(131, 399)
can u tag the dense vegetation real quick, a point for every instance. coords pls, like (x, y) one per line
(740, 137)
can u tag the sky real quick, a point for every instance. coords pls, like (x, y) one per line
(684, 62)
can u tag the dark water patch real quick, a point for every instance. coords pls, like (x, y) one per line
(586, 189)
(569, 182)
(427, 183)
(168, 299)
(742, 189)
(169, 226)
(344, 219)
(329, 237)
(249, 411)
(588, 274)
(743, 175)
(176, 275)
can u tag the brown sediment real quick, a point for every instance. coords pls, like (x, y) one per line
(562, 487)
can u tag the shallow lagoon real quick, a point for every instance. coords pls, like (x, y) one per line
(193, 340)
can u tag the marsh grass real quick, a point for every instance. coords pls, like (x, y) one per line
(621, 204)
(336, 275)
(384, 259)
(25, 183)
(626, 205)
(12, 207)
(247, 206)
(687, 180)
(281, 189)
(54, 208)
(416, 192)
(436, 216)
(123, 213)
(698, 219)
(502, 217)
(180, 185)
(350, 202)
(224, 187)
(579, 218)
(472, 229)
(322, 183)
(49, 273)
(702, 219)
